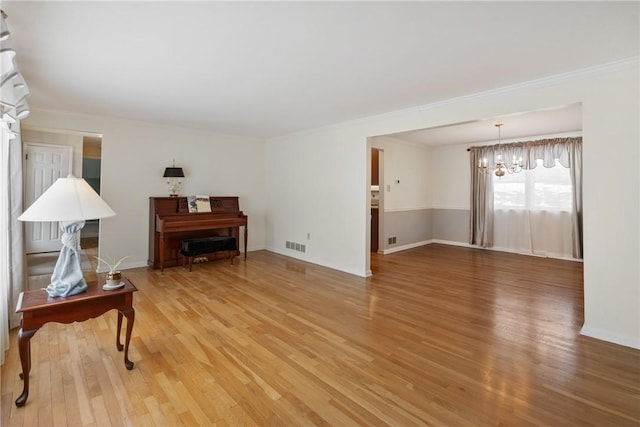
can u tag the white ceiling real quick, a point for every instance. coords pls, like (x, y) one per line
(265, 69)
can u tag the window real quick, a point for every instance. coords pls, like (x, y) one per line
(539, 189)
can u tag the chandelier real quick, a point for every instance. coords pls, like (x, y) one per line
(500, 168)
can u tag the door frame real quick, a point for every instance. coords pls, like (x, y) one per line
(381, 184)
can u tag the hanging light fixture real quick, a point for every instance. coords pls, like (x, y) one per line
(501, 168)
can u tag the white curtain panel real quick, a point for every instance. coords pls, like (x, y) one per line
(542, 233)
(5, 245)
(12, 252)
(13, 108)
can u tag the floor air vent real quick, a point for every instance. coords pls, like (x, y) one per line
(296, 246)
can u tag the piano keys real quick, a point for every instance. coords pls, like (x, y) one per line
(170, 222)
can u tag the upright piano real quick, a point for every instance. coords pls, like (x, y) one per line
(170, 222)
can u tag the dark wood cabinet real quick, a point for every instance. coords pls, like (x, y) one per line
(375, 171)
(374, 230)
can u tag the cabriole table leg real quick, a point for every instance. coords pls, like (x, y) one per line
(130, 314)
(24, 347)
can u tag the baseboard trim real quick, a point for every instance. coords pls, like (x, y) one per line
(452, 243)
(515, 251)
(405, 247)
(467, 245)
(293, 255)
(604, 335)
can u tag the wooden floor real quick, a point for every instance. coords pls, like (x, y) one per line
(438, 336)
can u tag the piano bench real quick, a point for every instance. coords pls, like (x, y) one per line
(190, 248)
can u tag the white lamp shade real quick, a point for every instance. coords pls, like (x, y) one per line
(68, 199)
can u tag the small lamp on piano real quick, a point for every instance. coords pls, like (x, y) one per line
(173, 175)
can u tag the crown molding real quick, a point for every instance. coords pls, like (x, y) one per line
(538, 83)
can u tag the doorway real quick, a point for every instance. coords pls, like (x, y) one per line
(91, 167)
(377, 218)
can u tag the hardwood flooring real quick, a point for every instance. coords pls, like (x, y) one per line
(437, 336)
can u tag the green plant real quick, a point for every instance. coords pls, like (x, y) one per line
(112, 263)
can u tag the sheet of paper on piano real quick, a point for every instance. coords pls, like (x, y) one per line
(203, 203)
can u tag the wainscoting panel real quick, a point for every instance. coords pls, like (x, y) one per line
(450, 225)
(417, 227)
(407, 226)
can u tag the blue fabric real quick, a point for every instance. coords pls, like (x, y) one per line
(67, 278)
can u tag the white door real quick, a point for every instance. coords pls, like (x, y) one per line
(44, 165)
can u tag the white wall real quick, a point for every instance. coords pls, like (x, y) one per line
(134, 156)
(611, 208)
(409, 163)
(310, 182)
(451, 177)
(609, 96)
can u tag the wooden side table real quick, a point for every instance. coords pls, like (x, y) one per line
(38, 308)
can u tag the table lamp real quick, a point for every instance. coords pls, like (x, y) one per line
(173, 175)
(70, 201)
